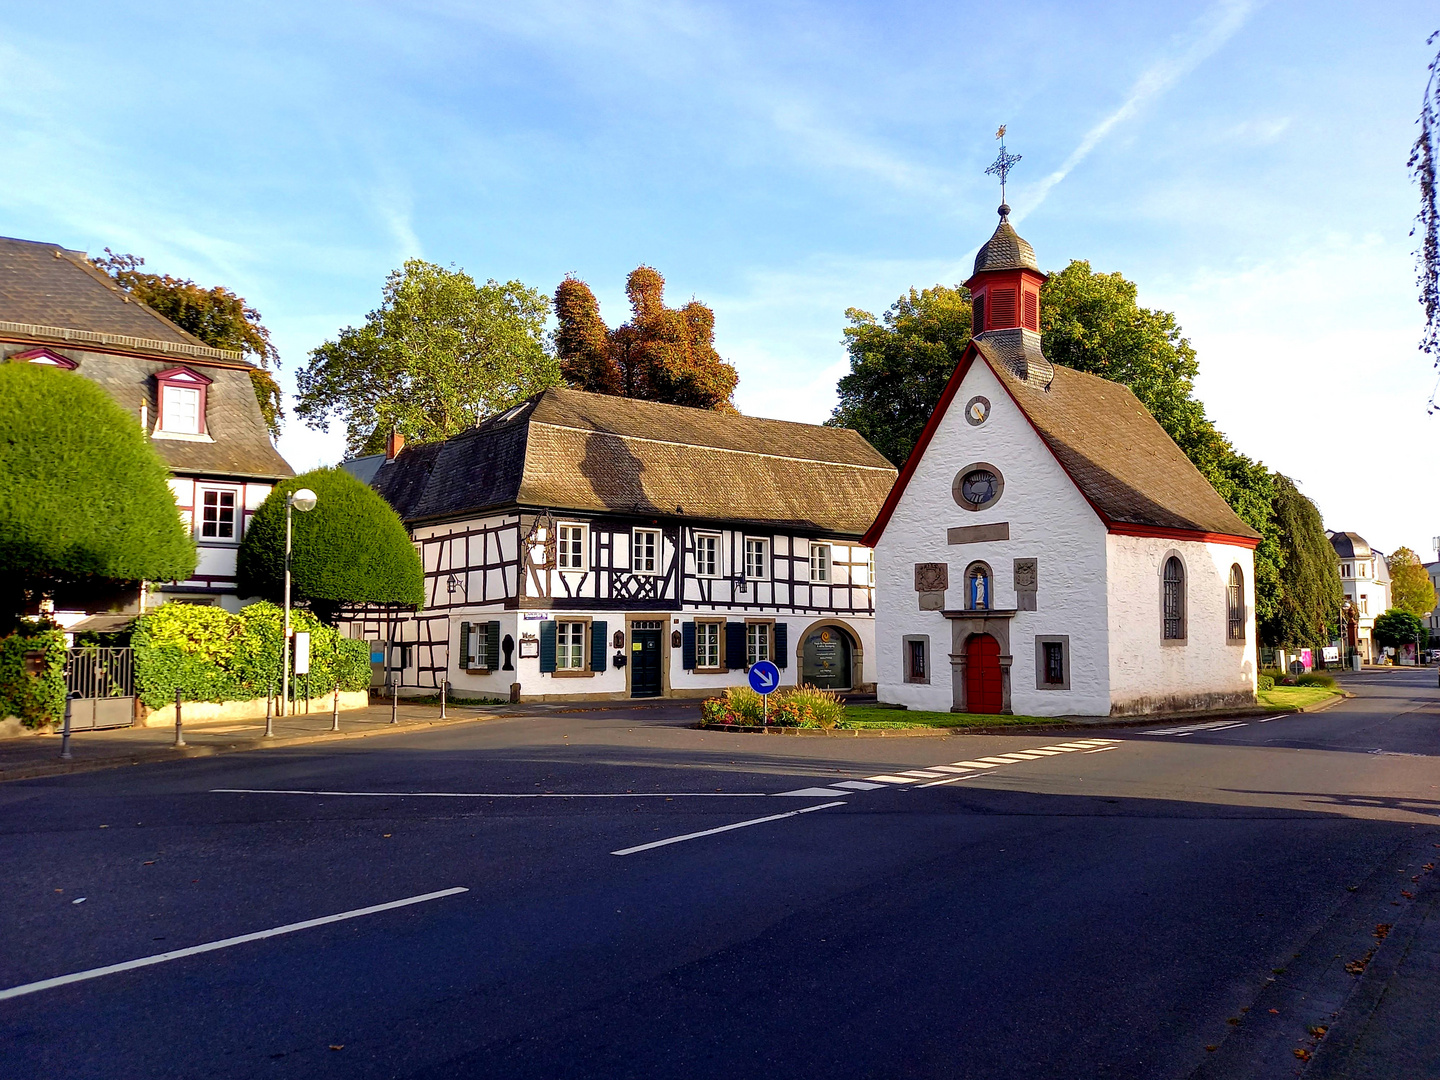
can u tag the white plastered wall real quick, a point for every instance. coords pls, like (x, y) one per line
(1205, 670)
(1049, 521)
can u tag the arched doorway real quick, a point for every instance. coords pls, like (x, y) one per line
(825, 658)
(984, 689)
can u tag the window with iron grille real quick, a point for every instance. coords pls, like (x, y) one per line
(1235, 605)
(915, 670)
(1174, 599)
(1054, 662)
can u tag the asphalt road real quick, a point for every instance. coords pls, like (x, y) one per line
(1110, 908)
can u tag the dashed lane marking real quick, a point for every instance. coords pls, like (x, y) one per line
(882, 779)
(724, 828)
(922, 774)
(857, 785)
(1190, 729)
(812, 792)
(500, 794)
(950, 780)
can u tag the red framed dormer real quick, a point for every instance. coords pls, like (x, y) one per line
(181, 399)
(45, 357)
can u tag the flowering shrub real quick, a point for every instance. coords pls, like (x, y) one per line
(801, 707)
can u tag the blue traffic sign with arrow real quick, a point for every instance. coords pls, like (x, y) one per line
(764, 677)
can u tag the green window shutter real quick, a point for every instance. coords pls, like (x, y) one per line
(547, 645)
(464, 645)
(597, 645)
(492, 646)
(782, 645)
(734, 659)
(687, 650)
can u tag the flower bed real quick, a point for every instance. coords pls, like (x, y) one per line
(802, 707)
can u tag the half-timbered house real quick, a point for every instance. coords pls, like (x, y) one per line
(582, 545)
(196, 404)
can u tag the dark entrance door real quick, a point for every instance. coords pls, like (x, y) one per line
(825, 660)
(983, 690)
(645, 662)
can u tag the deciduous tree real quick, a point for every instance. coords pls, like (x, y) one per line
(662, 354)
(1410, 586)
(1396, 628)
(1309, 593)
(438, 356)
(216, 316)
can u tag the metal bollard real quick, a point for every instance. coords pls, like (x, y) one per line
(335, 711)
(444, 693)
(394, 702)
(179, 728)
(270, 712)
(65, 754)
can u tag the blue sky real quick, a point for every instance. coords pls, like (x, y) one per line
(1244, 163)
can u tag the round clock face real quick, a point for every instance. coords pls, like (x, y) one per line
(977, 411)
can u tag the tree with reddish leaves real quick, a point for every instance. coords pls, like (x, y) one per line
(662, 354)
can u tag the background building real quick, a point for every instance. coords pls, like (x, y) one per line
(1365, 577)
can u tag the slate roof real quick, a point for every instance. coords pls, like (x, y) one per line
(1006, 249)
(596, 454)
(1349, 545)
(53, 296)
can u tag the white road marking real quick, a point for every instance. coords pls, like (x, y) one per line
(194, 950)
(949, 780)
(858, 785)
(724, 828)
(978, 764)
(1020, 757)
(1101, 749)
(922, 774)
(502, 794)
(893, 779)
(1043, 751)
(947, 769)
(998, 760)
(811, 792)
(1190, 729)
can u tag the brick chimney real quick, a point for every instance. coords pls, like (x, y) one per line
(394, 443)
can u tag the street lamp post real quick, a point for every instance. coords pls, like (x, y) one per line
(304, 501)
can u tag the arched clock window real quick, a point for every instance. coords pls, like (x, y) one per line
(977, 487)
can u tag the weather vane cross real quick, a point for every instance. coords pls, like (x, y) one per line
(1003, 164)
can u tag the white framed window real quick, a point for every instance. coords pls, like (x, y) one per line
(570, 548)
(1364, 604)
(707, 645)
(870, 570)
(707, 556)
(820, 562)
(757, 642)
(645, 551)
(180, 407)
(757, 558)
(570, 646)
(219, 513)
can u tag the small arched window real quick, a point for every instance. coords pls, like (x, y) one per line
(977, 587)
(1235, 605)
(1174, 599)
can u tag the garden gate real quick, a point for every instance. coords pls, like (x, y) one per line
(102, 679)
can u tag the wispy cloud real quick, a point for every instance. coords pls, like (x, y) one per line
(1210, 32)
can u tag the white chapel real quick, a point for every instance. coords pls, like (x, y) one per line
(1047, 549)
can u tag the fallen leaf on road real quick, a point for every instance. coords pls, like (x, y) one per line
(81, 900)
(1303, 1055)
(1381, 929)
(149, 862)
(1317, 1031)
(388, 835)
(1212, 1049)
(337, 1046)
(1275, 1011)
(1407, 895)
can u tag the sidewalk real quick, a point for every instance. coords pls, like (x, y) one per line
(32, 756)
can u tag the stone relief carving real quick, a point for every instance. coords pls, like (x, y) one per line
(932, 577)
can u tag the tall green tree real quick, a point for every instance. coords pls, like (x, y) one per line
(216, 316)
(1396, 628)
(662, 354)
(899, 364)
(351, 548)
(1309, 593)
(85, 501)
(438, 356)
(1410, 586)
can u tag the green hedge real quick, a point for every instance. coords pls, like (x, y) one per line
(36, 700)
(208, 654)
(1264, 682)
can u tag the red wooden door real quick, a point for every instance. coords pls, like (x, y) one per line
(983, 693)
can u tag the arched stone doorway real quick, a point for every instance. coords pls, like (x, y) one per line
(828, 657)
(984, 683)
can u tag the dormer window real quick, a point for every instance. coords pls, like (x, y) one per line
(182, 402)
(45, 357)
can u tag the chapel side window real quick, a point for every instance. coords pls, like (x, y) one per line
(1054, 663)
(707, 646)
(646, 558)
(1174, 599)
(707, 556)
(570, 646)
(570, 551)
(915, 670)
(757, 558)
(217, 514)
(1235, 605)
(820, 563)
(757, 643)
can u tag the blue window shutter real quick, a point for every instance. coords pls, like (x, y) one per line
(735, 646)
(464, 645)
(782, 645)
(687, 649)
(547, 645)
(597, 645)
(492, 646)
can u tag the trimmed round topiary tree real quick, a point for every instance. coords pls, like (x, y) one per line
(84, 498)
(352, 548)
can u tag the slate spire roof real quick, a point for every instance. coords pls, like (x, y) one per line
(1006, 249)
(598, 454)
